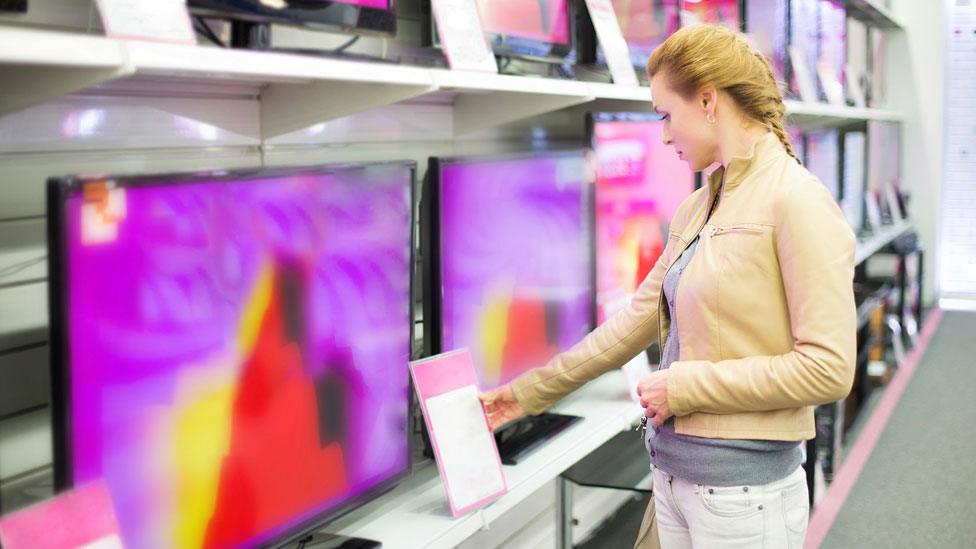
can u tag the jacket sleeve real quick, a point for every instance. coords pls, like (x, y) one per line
(616, 341)
(815, 248)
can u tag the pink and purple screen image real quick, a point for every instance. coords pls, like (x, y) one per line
(238, 349)
(645, 24)
(515, 265)
(717, 12)
(374, 4)
(833, 36)
(766, 25)
(823, 158)
(542, 20)
(640, 184)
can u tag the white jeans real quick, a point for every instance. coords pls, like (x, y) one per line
(691, 515)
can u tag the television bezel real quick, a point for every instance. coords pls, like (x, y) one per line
(430, 238)
(534, 50)
(60, 189)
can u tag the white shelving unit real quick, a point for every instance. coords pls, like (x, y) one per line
(870, 246)
(297, 92)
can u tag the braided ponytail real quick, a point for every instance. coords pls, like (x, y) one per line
(712, 54)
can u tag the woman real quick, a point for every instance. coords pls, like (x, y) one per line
(760, 329)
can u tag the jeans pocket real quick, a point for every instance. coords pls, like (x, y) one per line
(728, 502)
(796, 512)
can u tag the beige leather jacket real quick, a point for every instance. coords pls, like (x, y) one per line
(768, 321)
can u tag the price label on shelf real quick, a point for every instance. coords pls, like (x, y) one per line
(462, 36)
(153, 20)
(612, 41)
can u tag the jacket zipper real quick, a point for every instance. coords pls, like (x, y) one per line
(734, 229)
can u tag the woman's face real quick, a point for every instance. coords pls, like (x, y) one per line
(686, 126)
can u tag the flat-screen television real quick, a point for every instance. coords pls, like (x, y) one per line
(640, 182)
(509, 266)
(833, 38)
(823, 158)
(538, 30)
(353, 16)
(766, 23)
(884, 169)
(645, 25)
(804, 37)
(507, 244)
(798, 141)
(854, 180)
(230, 349)
(716, 12)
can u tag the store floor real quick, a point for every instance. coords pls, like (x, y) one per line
(916, 487)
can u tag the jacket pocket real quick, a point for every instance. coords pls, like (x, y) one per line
(753, 228)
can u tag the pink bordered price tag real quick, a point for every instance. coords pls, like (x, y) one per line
(612, 42)
(83, 517)
(462, 36)
(152, 20)
(464, 447)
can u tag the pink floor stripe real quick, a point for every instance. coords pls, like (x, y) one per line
(829, 507)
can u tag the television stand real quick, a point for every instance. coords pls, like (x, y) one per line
(517, 439)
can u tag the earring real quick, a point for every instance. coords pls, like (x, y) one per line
(710, 118)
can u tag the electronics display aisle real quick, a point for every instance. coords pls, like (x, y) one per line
(273, 101)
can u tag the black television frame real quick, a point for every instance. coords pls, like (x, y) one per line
(59, 189)
(503, 46)
(430, 240)
(316, 14)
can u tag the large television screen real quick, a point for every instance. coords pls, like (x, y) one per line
(354, 16)
(766, 24)
(717, 12)
(823, 158)
(852, 202)
(640, 182)
(804, 37)
(539, 30)
(509, 257)
(232, 349)
(833, 37)
(645, 25)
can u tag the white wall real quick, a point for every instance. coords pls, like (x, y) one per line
(915, 65)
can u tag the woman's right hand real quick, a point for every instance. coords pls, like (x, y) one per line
(501, 406)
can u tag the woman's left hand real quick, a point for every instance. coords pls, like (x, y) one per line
(653, 393)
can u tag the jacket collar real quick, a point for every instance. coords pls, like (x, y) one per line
(740, 166)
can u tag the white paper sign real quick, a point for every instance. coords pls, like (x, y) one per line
(612, 41)
(855, 89)
(831, 84)
(637, 369)
(804, 80)
(154, 20)
(462, 36)
(467, 453)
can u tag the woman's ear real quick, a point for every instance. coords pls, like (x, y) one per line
(708, 99)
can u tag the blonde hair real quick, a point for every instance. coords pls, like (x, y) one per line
(694, 57)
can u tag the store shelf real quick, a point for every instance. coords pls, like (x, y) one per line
(815, 115)
(871, 245)
(37, 66)
(872, 12)
(484, 100)
(415, 514)
(299, 91)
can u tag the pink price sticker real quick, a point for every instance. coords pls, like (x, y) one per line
(83, 517)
